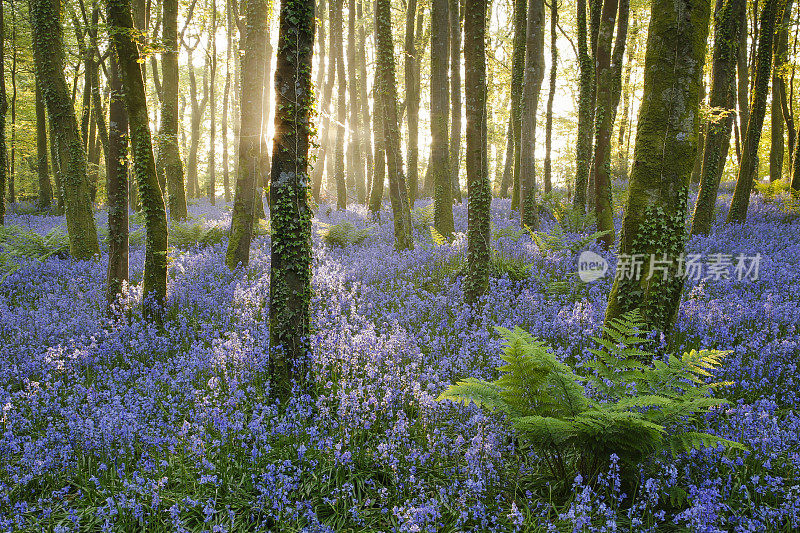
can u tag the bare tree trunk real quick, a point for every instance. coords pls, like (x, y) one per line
(3, 111)
(365, 132)
(517, 78)
(354, 153)
(117, 188)
(456, 16)
(42, 170)
(325, 107)
(341, 113)
(440, 107)
(226, 104)
(548, 135)
(254, 39)
(398, 192)
(211, 187)
(411, 62)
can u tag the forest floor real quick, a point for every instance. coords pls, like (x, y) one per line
(116, 424)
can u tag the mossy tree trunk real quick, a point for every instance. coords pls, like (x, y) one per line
(743, 82)
(780, 50)
(748, 169)
(666, 144)
(42, 168)
(226, 101)
(722, 101)
(144, 166)
(532, 85)
(411, 67)
(627, 94)
(48, 53)
(785, 72)
(440, 111)
(478, 188)
(379, 148)
(456, 16)
(548, 133)
(168, 150)
(354, 152)
(211, 184)
(3, 111)
(608, 79)
(365, 132)
(252, 84)
(517, 77)
(290, 275)
(387, 98)
(117, 187)
(583, 146)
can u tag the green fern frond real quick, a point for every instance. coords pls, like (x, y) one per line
(437, 238)
(684, 442)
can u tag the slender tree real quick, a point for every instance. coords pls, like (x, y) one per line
(456, 17)
(198, 107)
(117, 187)
(48, 54)
(42, 169)
(169, 152)
(379, 147)
(666, 143)
(290, 274)
(326, 101)
(627, 96)
(144, 165)
(531, 86)
(387, 98)
(440, 107)
(517, 78)
(226, 103)
(211, 186)
(411, 66)
(254, 39)
(548, 135)
(3, 111)
(583, 146)
(365, 132)
(780, 50)
(771, 13)
(341, 114)
(478, 188)
(354, 151)
(722, 102)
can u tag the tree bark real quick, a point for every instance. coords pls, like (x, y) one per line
(144, 166)
(290, 274)
(168, 150)
(365, 132)
(325, 104)
(355, 151)
(376, 192)
(117, 188)
(666, 143)
(517, 78)
(722, 101)
(531, 87)
(748, 169)
(456, 16)
(583, 146)
(411, 64)
(478, 188)
(254, 39)
(42, 170)
(211, 186)
(341, 113)
(226, 101)
(398, 192)
(548, 135)
(440, 107)
(3, 111)
(48, 52)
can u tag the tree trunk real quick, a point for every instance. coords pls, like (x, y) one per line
(781, 49)
(376, 193)
(456, 16)
(365, 133)
(198, 106)
(517, 78)
(48, 52)
(508, 167)
(666, 144)
(254, 39)
(532, 85)
(290, 274)
(548, 135)
(341, 113)
(211, 186)
(478, 189)
(722, 101)
(624, 125)
(117, 188)
(748, 169)
(3, 111)
(583, 147)
(608, 78)
(325, 104)
(781, 67)
(412, 83)
(144, 166)
(743, 76)
(226, 101)
(42, 170)
(440, 107)
(398, 192)
(168, 150)
(354, 152)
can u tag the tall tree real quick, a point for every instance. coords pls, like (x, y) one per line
(354, 152)
(379, 147)
(364, 118)
(411, 66)
(627, 96)
(666, 144)
(548, 135)
(211, 186)
(608, 79)
(531, 86)
(48, 54)
(290, 275)
(326, 101)
(117, 187)
(3, 111)
(478, 189)
(583, 147)
(198, 107)
(771, 13)
(341, 114)
(456, 18)
(387, 98)
(785, 78)
(780, 51)
(144, 165)
(517, 78)
(722, 102)
(254, 45)
(169, 152)
(440, 107)
(42, 170)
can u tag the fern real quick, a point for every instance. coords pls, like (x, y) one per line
(638, 409)
(188, 234)
(343, 234)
